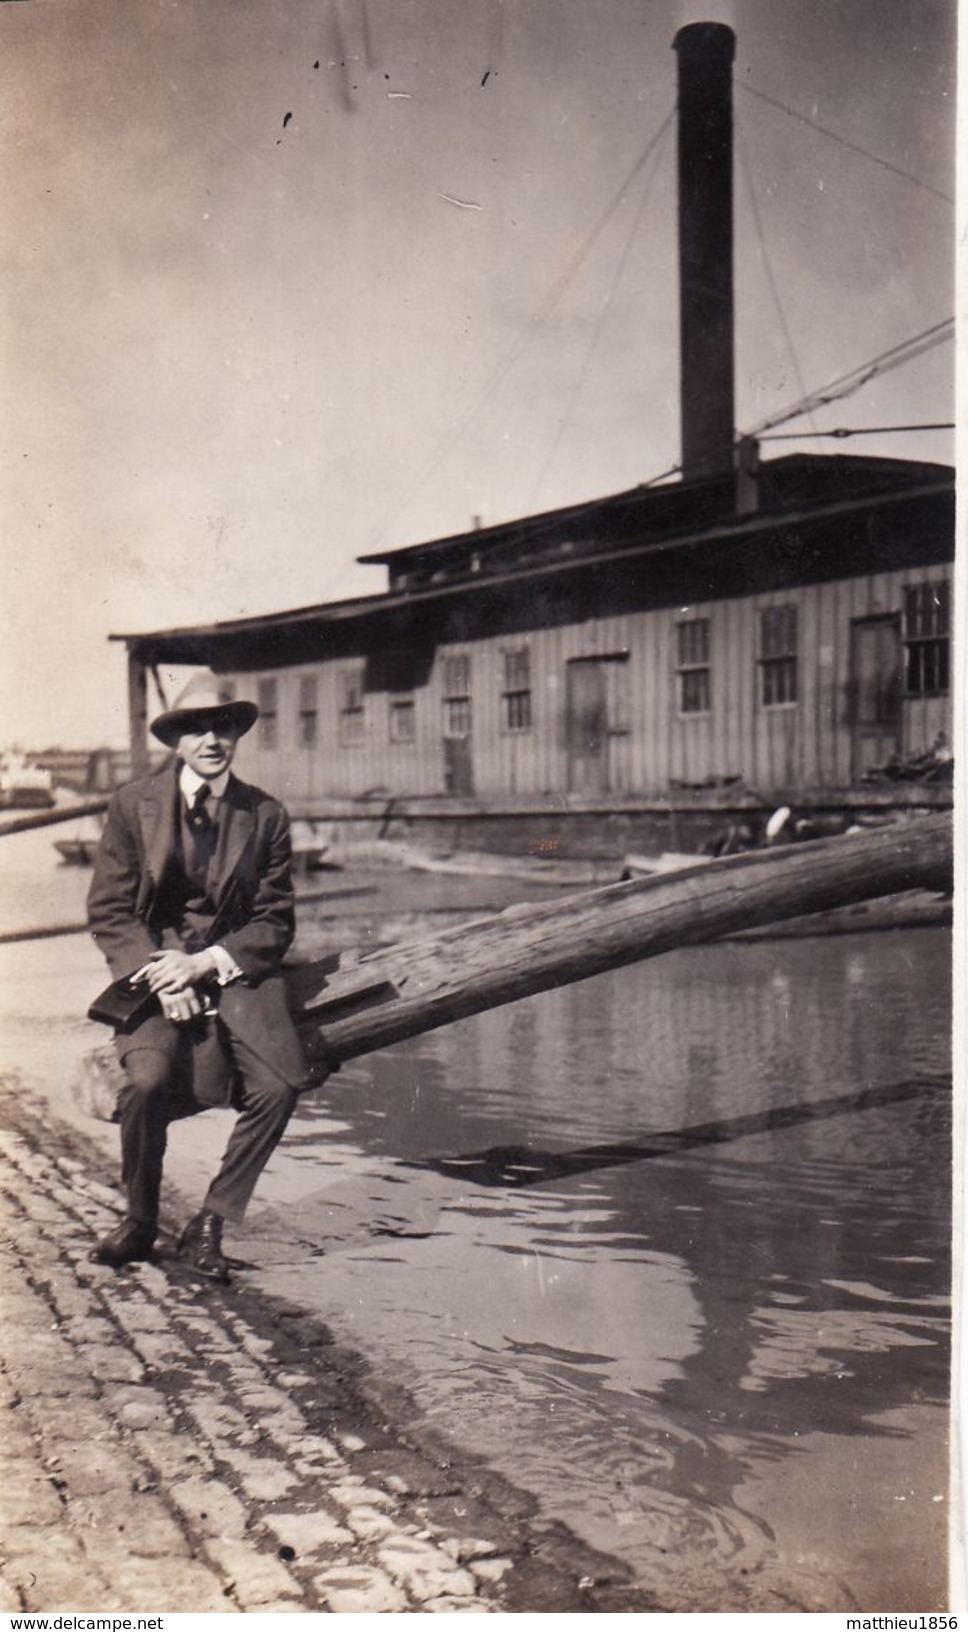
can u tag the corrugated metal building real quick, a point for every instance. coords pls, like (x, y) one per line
(654, 650)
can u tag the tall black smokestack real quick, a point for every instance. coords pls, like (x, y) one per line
(706, 52)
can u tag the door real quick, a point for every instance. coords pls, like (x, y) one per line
(587, 726)
(459, 766)
(875, 692)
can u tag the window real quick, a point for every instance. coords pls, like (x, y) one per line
(352, 711)
(307, 719)
(927, 623)
(457, 675)
(403, 719)
(268, 696)
(517, 690)
(457, 716)
(457, 695)
(778, 655)
(692, 666)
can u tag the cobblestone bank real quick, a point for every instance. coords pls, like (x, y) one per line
(168, 1445)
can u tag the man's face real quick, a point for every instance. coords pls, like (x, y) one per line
(209, 748)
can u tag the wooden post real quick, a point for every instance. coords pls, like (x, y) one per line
(138, 715)
(365, 1003)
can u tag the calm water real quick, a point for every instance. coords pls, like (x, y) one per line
(669, 1248)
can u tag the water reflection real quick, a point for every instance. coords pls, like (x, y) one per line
(511, 1165)
(671, 1247)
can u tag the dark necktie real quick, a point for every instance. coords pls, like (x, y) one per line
(199, 816)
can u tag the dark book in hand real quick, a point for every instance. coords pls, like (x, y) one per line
(124, 1004)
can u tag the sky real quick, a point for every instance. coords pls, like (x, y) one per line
(287, 282)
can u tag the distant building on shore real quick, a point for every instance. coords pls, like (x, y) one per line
(87, 770)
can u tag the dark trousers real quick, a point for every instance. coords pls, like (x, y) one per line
(170, 1071)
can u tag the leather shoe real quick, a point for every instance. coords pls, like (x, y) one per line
(201, 1246)
(130, 1243)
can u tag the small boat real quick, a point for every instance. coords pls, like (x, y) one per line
(80, 848)
(23, 786)
(77, 852)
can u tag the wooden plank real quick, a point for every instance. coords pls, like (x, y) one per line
(45, 932)
(354, 1004)
(50, 818)
(138, 715)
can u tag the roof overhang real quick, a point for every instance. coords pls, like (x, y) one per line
(193, 643)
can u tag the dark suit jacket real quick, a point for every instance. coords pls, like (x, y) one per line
(129, 902)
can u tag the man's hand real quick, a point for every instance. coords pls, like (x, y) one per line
(174, 973)
(179, 1006)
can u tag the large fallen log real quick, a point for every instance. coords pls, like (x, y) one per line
(352, 1003)
(360, 1003)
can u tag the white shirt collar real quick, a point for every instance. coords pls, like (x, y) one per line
(189, 781)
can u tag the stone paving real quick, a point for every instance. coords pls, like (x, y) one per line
(167, 1445)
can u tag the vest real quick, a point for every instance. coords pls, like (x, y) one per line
(190, 906)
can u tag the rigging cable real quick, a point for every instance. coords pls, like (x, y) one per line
(599, 326)
(846, 384)
(861, 430)
(506, 362)
(767, 263)
(854, 147)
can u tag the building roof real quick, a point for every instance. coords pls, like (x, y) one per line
(642, 525)
(665, 510)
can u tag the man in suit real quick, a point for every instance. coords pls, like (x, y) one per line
(192, 896)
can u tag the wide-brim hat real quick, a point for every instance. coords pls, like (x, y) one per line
(204, 702)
